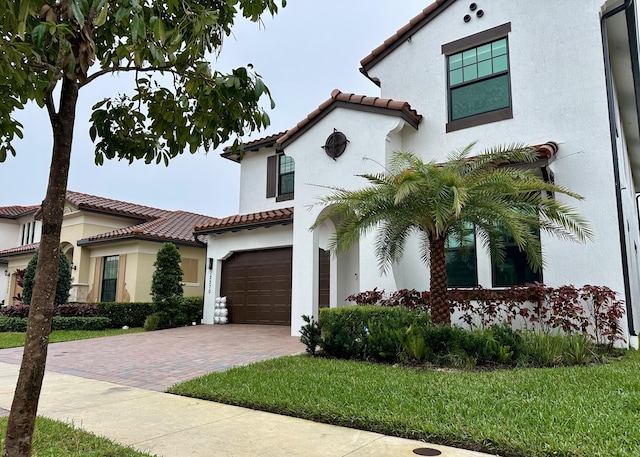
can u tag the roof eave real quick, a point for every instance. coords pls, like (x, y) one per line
(239, 227)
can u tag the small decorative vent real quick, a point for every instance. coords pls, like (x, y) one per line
(335, 145)
(473, 7)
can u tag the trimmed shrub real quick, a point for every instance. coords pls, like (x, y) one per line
(345, 331)
(189, 311)
(20, 310)
(166, 284)
(77, 310)
(63, 285)
(129, 314)
(19, 324)
(13, 324)
(80, 323)
(153, 322)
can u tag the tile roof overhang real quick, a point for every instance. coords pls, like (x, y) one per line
(351, 101)
(16, 212)
(402, 35)
(174, 226)
(86, 202)
(251, 146)
(19, 250)
(283, 216)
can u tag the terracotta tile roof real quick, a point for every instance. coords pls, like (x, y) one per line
(14, 212)
(395, 40)
(352, 101)
(26, 249)
(547, 150)
(240, 221)
(254, 145)
(157, 224)
(117, 207)
(175, 226)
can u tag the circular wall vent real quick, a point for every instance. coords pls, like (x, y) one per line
(335, 145)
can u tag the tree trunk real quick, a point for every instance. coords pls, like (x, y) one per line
(27, 394)
(439, 297)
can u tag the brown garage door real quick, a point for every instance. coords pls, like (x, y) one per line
(257, 285)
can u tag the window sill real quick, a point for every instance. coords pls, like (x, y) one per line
(480, 119)
(284, 197)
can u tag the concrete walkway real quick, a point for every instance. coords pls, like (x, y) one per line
(97, 385)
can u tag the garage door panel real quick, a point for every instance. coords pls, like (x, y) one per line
(258, 286)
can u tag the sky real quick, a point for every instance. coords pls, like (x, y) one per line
(308, 49)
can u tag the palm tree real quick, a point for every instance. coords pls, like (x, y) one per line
(442, 201)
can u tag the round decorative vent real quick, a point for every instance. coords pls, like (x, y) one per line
(335, 145)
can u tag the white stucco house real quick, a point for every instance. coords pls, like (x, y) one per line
(565, 78)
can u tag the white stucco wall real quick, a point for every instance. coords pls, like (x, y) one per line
(558, 94)
(253, 184)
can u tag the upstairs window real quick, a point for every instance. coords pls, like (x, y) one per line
(28, 233)
(478, 81)
(280, 177)
(286, 175)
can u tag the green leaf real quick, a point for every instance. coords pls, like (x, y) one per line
(135, 28)
(38, 33)
(122, 13)
(76, 8)
(102, 17)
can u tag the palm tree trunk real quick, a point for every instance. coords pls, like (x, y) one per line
(22, 418)
(440, 308)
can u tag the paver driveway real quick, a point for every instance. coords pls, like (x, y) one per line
(157, 360)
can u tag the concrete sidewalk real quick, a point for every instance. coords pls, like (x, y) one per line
(173, 426)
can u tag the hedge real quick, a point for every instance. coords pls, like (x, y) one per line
(19, 324)
(129, 314)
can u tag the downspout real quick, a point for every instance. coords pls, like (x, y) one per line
(614, 150)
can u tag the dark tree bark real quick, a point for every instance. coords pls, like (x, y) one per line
(438, 296)
(27, 394)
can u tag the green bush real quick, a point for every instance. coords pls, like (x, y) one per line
(189, 311)
(346, 331)
(550, 350)
(19, 324)
(129, 314)
(63, 284)
(80, 323)
(13, 324)
(310, 334)
(166, 284)
(153, 322)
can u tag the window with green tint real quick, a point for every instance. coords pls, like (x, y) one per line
(286, 173)
(515, 270)
(460, 256)
(109, 279)
(479, 80)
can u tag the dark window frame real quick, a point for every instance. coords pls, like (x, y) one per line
(522, 271)
(109, 285)
(472, 41)
(472, 258)
(274, 178)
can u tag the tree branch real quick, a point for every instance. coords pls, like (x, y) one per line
(105, 71)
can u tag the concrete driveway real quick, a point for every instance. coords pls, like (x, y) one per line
(157, 360)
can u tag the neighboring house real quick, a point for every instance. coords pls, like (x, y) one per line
(111, 245)
(561, 76)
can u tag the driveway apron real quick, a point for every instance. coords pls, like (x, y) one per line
(157, 360)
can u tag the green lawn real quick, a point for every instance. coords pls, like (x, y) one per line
(578, 411)
(55, 439)
(16, 339)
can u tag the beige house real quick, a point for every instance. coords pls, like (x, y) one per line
(110, 244)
